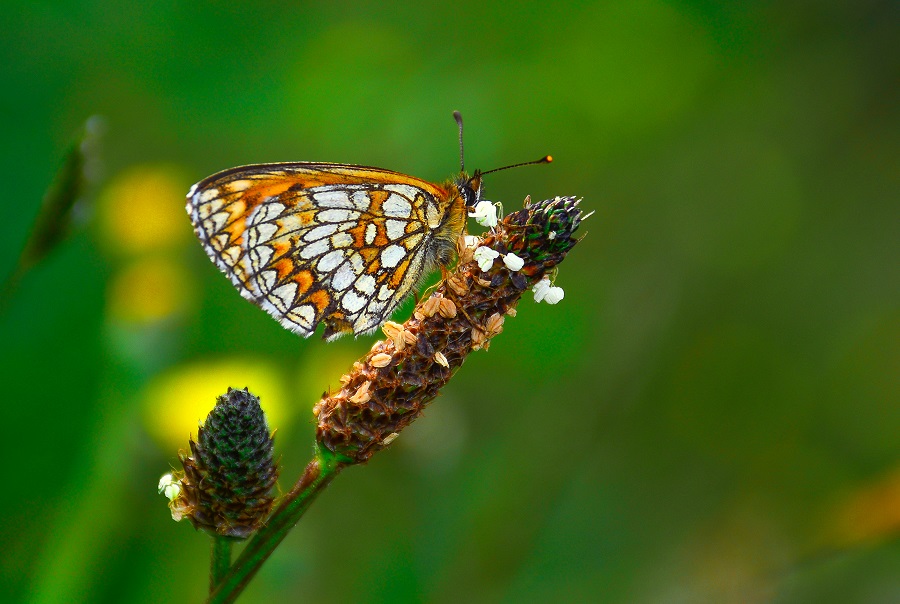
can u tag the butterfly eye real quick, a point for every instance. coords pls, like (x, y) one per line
(468, 193)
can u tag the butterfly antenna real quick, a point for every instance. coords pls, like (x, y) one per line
(544, 160)
(458, 117)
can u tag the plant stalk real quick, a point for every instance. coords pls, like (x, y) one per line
(319, 473)
(220, 560)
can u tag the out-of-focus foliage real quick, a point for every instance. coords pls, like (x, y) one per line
(710, 415)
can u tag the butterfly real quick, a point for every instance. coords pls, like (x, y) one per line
(338, 244)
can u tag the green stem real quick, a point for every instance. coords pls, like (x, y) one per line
(319, 473)
(220, 560)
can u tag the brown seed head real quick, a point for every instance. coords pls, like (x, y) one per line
(393, 383)
(381, 360)
(447, 308)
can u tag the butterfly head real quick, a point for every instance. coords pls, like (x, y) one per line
(469, 188)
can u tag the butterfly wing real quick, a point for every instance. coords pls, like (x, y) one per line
(314, 242)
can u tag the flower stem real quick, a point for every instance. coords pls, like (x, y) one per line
(220, 560)
(319, 473)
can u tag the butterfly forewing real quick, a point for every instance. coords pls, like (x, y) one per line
(313, 243)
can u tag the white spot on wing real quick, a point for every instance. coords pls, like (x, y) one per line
(361, 200)
(239, 185)
(343, 277)
(405, 190)
(261, 255)
(371, 232)
(314, 249)
(395, 228)
(208, 195)
(260, 233)
(352, 302)
(337, 216)
(392, 255)
(342, 240)
(320, 232)
(218, 220)
(385, 292)
(264, 212)
(397, 207)
(366, 285)
(286, 294)
(333, 199)
(329, 261)
(356, 261)
(212, 207)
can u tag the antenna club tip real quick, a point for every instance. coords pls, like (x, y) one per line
(547, 159)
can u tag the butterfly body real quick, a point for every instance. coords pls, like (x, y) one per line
(332, 243)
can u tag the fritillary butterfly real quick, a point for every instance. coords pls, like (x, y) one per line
(328, 243)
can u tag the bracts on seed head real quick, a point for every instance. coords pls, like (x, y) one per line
(385, 391)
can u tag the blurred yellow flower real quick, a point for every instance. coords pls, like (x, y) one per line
(142, 209)
(870, 513)
(178, 400)
(322, 371)
(148, 290)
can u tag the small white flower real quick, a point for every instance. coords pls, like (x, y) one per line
(554, 295)
(540, 289)
(485, 257)
(164, 481)
(513, 262)
(472, 240)
(169, 487)
(485, 214)
(544, 291)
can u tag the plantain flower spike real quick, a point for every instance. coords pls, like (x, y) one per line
(229, 474)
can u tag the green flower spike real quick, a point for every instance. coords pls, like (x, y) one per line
(230, 472)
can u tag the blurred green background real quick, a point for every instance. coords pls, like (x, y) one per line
(711, 414)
